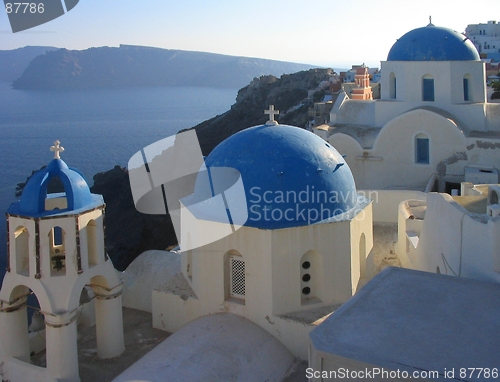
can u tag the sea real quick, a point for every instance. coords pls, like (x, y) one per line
(98, 128)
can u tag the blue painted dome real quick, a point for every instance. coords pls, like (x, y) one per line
(291, 176)
(433, 43)
(77, 192)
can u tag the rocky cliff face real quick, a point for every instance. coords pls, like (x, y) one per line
(286, 93)
(128, 232)
(144, 66)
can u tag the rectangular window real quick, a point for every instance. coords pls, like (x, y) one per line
(422, 150)
(237, 277)
(428, 89)
(466, 89)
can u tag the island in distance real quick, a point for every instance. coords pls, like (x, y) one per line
(128, 65)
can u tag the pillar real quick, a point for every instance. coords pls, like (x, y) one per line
(109, 323)
(14, 330)
(61, 347)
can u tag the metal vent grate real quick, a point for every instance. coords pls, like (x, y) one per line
(237, 265)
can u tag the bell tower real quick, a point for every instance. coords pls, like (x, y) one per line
(56, 250)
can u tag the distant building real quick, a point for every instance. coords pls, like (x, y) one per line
(486, 38)
(358, 83)
(362, 89)
(320, 112)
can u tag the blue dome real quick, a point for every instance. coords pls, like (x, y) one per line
(291, 177)
(433, 43)
(77, 192)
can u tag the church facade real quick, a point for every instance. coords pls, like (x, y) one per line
(433, 118)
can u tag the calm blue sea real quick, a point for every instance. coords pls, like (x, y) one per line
(98, 128)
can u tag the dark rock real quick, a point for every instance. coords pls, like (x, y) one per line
(129, 232)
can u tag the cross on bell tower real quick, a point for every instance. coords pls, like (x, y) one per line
(57, 149)
(271, 112)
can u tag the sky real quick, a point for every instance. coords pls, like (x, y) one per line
(333, 33)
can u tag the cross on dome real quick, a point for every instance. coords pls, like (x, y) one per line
(57, 149)
(430, 22)
(271, 113)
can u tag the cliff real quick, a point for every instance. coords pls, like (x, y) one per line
(287, 93)
(144, 66)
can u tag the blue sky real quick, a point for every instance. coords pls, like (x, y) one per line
(324, 32)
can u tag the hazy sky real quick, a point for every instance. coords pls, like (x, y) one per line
(334, 33)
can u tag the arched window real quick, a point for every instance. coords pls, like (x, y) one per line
(235, 276)
(392, 86)
(21, 243)
(466, 82)
(57, 251)
(428, 88)
(311, 282)
(422, 154)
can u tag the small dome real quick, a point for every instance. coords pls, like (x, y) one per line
(291, 176)
(433, 43)
(77, 192)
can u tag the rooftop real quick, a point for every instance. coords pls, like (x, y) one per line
(411, 320)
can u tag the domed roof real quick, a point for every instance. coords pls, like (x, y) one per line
(291, 176)
(77, 192)
(433, 43)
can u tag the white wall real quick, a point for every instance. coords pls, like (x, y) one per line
(272, 276)
(458, 242)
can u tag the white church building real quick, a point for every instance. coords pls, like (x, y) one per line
(302, 249)
(432, 126)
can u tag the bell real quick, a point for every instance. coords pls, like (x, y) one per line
(37, 322)
(84, 297)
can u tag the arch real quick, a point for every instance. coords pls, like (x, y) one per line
(92, 245)
(466, 87)
(428, 88)
(235, 276)
(311, 277)
(422, 149)
(21, 250)
(12, 291)
(57, 247)
(18, 292)
(362, 256)
(392, 86)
